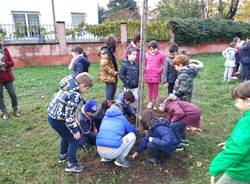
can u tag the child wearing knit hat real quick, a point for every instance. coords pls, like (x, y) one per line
(87, 124)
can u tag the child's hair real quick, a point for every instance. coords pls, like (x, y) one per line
(77, 50)
(242, 91)
(84, 78)
(232, 44)
(153, 44)
(111, 42)
(180, 60)
(159, 100)
(130, 50)
(84, 54)
(137, 38)
(236, 39)
(184, 52)
(173, 48)
(129, 96)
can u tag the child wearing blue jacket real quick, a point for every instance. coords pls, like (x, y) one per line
(116, 137)
(80, 62)
(88, 124)
(160, 141)
(61, 117)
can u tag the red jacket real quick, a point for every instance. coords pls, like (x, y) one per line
(7, 75)
(185, 112)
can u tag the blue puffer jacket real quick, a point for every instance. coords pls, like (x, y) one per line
(113, 128)
(129, 74)
(127, 109)
(245, 54)
(163, 137)
(64, 104)
(81, 65)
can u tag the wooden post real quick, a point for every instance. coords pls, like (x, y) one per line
(142, 60)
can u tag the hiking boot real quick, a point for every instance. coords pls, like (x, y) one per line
(76, 168)
(105, 160)
(17, 114)
(63, 158)
(5, 116)
(122, 162)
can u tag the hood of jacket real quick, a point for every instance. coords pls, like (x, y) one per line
(190, 70)
(68, 84)
(114, 111)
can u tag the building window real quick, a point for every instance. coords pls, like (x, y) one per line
(77, 18)
(26, 23)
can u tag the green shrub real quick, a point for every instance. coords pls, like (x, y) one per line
(194, 31)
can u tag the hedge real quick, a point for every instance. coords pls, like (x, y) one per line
(156, 30)
(194, 31)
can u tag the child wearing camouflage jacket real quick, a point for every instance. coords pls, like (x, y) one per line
(61, 117)
(183, 87)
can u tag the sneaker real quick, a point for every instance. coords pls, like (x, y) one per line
(180, 148)
(184, 143)
(74, 168)
(17, 114)
(5, 116)
(63, 158)
(235, 78)
(150, 105)
(122, 163)
(153, 160)
(105, 160)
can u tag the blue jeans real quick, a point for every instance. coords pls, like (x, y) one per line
(68, 144)
(179, 129)
(245, 72)
(88, 140)
(110, 91)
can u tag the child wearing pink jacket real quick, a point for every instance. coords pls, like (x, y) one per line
(153, 69)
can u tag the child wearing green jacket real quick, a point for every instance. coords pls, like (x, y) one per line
(234, 160)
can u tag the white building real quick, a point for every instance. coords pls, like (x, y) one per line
(40, 12)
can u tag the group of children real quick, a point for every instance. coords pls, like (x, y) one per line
(108, 126)
(237, 60)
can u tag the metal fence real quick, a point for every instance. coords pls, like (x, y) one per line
(21, 33)
(74, 34)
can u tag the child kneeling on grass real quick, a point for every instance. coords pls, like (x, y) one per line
(88, 125)
(234, 160)
(180, 115)
(116, 137)
(160, 141)
(61, 116)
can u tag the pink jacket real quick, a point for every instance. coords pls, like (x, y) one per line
(154, 67)
(185, 112)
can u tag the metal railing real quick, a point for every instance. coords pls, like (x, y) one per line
(74, 34)
(20, 33)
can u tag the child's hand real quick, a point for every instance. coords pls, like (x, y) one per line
(77, 135)
(150, 139)
(212, 180)
(134, 155)
(221, 145)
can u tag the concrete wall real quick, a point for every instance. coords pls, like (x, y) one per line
(50, 54)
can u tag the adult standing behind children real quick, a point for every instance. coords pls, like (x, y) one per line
(135, 43)
(62, 117)
(129, 72)
(116, 137)
(153, 70)
(111, 87)
(234, 160)
(183, 87)
(6, 80)
(245, 60)
(170, 74)
(80, 62)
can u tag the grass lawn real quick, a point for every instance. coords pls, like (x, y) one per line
(29, 146)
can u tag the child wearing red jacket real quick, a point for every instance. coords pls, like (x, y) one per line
(180, 115)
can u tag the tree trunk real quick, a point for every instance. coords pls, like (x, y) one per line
(220, 9)
(233, 9)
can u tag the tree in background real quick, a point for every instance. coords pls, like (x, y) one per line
(120, 9)
(101, 14)
(168, 9)
(243, 13)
